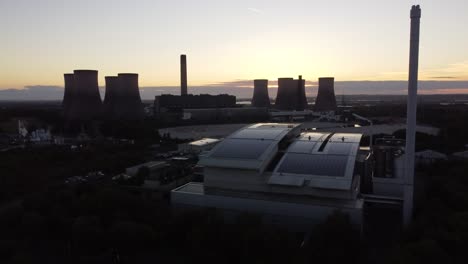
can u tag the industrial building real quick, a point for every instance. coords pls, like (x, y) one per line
(198, 146)
(167, 102)
(238, 114)
(173, 103)
(291, 94)
(287, 176)
(326, 100)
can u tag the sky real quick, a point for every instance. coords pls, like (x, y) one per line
(228, 41)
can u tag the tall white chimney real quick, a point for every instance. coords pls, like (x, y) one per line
(411, 115)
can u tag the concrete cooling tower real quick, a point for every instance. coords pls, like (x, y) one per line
(291, 94)
(68, 93)
(260, 96)
(326, 100)
(128, 105)
(110, 99)
(85, 103)
(301, 99)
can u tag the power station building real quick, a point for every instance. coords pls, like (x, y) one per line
(174, 103)
(287, 176)
(326, 100)
(167, 102)
(291, 94)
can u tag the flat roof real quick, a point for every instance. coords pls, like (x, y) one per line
(204, 142)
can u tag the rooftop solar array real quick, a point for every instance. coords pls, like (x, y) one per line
(258, 133)
(320, 165)
(233, 148)
(325, 160)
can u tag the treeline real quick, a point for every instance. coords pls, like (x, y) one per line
(89, 225)
(439, 232)
(29, 170)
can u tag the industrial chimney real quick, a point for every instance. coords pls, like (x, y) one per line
(411, 115)
(129, 105)
(86, 101)
(325, 100)
(68, 95)
(260, 96)
(183, 74)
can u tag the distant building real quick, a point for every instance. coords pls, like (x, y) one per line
(289, 177)
(461, 155)
(166, 102)
(199, 146)
(241, 114)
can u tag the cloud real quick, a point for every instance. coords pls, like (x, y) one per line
(243, 89)
(255, 10)
(444, 77)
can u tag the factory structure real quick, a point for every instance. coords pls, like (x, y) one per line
(176, 103)
(296, 178)
(82, 100)
(290, 177)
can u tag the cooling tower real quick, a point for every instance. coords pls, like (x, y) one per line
(301, 104)
(128, 105)
(285, 95)
(326, 100)
(183, 75)
(86, 101)
(260, 96)
(68, 93)
(291, 94)
(111, 97)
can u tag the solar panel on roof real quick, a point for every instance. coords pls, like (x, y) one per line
(258, 133)
(312, 136)
(321, 165)
(302, 146)
(346, 137)
(241, 148)
(339, 148)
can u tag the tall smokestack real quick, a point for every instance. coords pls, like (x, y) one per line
(411, 115)
(183, 74)
(260, 97)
